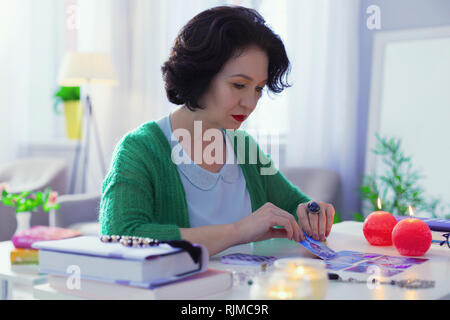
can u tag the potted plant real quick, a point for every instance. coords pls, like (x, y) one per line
(27, 202)
(399, 186)
(73, 110)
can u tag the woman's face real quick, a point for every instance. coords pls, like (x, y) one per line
(235, 90)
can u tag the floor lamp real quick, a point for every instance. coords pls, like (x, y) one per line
(84, 70)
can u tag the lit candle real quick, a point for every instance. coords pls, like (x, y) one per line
(281, 291)
(276, 286)
(310, 271)
(378, 227)
(411, 236)
(292, 279)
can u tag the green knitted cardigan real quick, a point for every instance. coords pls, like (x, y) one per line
(142, 194)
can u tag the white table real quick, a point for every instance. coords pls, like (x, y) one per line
(344, 236)
(349, 236)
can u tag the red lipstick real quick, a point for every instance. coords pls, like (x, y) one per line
(239, 117)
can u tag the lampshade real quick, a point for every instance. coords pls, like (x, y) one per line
(80, 68)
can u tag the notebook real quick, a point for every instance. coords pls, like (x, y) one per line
(96, 260)
(196, 286)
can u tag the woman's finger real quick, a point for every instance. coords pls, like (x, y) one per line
(322, 223)
(330, 218)
(303, 218)
(314, 223)
(279, 220)
(283, 218)
(298, 233)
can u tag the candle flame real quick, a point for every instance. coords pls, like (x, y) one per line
(379, 203)
(300, 271)
(280, 292)
(411, 211)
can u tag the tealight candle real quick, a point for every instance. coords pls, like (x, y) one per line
(312, 271)
(293, 278)
(378, 227)
(281, 291)
(411, 236)
(275, 286)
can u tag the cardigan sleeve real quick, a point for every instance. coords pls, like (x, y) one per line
(128, 200)
(279, 190)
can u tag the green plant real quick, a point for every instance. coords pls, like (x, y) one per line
(64, 94)
(29, 201)
(399, 187)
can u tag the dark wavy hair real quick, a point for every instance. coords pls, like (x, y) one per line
(208, 41)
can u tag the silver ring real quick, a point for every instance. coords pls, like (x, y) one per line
(313, 207)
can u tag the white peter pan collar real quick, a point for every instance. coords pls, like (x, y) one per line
(202, 178)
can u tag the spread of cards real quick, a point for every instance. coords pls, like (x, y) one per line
(351, 261)
(359, 262)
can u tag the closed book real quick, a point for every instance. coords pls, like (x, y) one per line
(19, 256)
(26, 238)
(96, 260)
(435, 224)
(30, 268)
(196, 286)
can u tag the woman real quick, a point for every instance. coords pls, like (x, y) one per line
(190, 175)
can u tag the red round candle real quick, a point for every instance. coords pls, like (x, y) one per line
(411, 237)
(378, 228)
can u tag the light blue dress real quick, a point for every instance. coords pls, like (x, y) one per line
(212, 198)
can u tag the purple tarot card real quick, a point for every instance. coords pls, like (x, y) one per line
(330, 265)
(398, 266)
(362, 255)
(399, 260)
(247, 259)
(346, 257)
(317, 248)
(366, 268)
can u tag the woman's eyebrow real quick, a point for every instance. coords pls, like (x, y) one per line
(244, 76)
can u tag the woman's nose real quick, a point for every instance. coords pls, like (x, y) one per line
(250, 102)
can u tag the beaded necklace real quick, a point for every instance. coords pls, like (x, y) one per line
(195, 251)
(131, 241)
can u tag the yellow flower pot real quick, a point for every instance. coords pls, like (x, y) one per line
(73, 112)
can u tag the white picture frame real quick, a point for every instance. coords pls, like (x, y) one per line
(382, 40)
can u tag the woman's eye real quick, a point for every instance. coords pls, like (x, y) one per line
(259, 89)
(238, 86)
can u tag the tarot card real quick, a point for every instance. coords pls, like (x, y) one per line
(398, 266)
(346, 257)
(366, 268)
(362, 255)
(317, 248)
(330, 265)
(247, 259)
(389, 260)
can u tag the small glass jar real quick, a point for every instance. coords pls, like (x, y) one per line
(304, 270)
(277, 286)
(292, 279)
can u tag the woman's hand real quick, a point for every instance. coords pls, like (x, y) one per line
(260, 225)
(316, 225)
